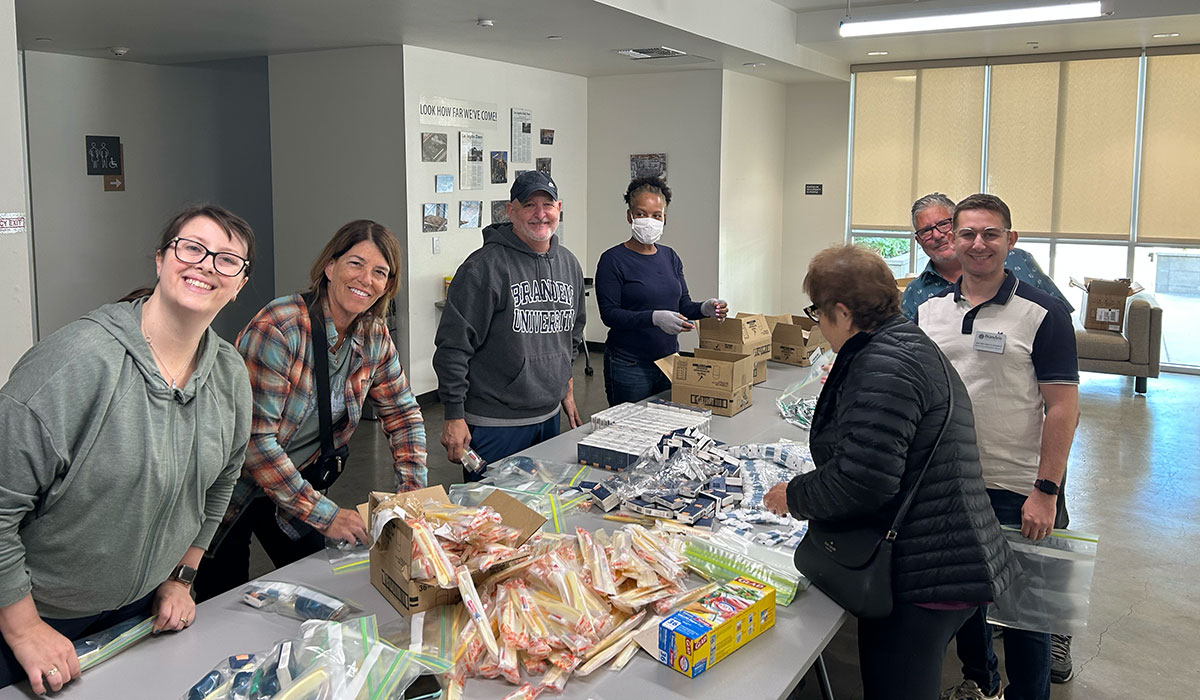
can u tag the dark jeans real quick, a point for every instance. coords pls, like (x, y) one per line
(75, 628)
(228, 566)
(1026, 654)
(916, 672)
(493, 443)
(628, 379)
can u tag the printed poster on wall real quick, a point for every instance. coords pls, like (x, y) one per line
(470, 114)
(521, 149)
(470, 160)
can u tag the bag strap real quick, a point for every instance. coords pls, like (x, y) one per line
(894, 531)
(320, 346)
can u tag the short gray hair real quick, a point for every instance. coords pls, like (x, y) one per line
(937, 199)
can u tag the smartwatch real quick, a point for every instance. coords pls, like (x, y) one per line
(183, 574)
(1046, 486)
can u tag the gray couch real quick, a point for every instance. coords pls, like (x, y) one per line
(1134, 352)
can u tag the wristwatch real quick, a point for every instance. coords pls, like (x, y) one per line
(1046, 486)
(184, 574)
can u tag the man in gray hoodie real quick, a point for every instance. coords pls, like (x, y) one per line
(510, 332)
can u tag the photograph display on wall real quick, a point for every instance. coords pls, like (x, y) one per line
(522, 135)
(433, 147)
(468, 213)
(648, 165)
(433, 217)
(543, 165)
(443, 183)
(470, 160)
(499, 211)
(547, 137)
(499, 162)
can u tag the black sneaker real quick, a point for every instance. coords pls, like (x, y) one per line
(1061, 668)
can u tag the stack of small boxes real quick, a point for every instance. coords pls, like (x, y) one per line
(623, 433)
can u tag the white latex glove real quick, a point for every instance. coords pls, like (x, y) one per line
(715, 307)
(671, 322)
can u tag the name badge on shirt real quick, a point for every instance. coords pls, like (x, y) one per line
(989, 342)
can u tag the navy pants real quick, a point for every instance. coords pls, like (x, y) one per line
(493, 443)
(75, 628)
(629, 380)
(1026, 654)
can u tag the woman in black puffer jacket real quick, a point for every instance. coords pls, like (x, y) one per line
(877, 418)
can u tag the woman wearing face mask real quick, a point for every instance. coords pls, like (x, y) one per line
(644, 299)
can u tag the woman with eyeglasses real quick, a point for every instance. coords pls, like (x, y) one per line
(877, 424)
(280, 497)
(643, 298)
(121, 437)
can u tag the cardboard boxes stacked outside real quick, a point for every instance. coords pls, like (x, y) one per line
(747, 334)
(718, 381)
(693, 639)
(392, 554)
(1103, 307)
(795, 340)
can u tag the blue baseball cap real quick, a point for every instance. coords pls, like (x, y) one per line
(532, 181)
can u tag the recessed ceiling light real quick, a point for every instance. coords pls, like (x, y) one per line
(1165, 35)
(877, 53)
(969, 20)
(754, 64)
(46, 38)
(554, 37)
(485, 23)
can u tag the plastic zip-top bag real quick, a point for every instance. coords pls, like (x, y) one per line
(1053, 591)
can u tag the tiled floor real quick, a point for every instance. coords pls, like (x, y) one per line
(1134, 481)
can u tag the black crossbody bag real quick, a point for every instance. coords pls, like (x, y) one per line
(329, 465)
(853, 566)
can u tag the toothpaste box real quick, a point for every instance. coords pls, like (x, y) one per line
(703, 633)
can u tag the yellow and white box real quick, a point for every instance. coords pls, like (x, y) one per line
(703, 633)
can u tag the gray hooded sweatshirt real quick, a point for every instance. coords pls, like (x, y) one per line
(509, 332)
(107, 475)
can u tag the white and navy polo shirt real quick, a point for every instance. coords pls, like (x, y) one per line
(1004, 349)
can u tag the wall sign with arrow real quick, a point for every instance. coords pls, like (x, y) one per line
(105, 157)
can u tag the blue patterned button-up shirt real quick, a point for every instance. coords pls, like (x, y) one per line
(929, 283)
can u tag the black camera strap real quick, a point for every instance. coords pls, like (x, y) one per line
(320, 345)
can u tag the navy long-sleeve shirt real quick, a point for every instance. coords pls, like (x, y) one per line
(630, 287)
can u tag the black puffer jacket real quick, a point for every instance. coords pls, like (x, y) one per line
(876, 420)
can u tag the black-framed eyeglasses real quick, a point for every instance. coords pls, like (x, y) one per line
(194, 252)
(813, 312)
(924, 234)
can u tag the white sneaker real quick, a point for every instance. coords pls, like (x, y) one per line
(969, 690)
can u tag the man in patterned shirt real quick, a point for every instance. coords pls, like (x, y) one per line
(931, 219)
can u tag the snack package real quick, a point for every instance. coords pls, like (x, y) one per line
(297, 601)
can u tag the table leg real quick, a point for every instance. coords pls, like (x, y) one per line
(823, 679)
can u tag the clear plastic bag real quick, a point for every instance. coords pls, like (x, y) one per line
(346, 558)
(1052, 593)
(516, 472)
(551, 501)
(725, 556)
(297, 601)
(102, 646)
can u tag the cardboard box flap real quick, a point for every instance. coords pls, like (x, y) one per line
(740, 329)
(515, 514)
(667, 365)
(1104, 286)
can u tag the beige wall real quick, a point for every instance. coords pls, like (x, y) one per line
(818, 117)
(16, 304)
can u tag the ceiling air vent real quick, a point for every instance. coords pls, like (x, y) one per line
(658, 52)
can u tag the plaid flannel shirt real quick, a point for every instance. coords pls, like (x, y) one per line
(277, 348)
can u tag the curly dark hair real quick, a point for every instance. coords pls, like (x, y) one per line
(647, 184)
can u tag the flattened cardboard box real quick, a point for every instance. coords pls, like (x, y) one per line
(718, 381)
(795, 340)
(1103, 306)
(748, 334)
(391, 555)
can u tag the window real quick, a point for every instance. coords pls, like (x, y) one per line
(1171, 142)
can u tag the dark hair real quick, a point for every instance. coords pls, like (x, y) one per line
(346, 238)
(652, 184)
(990, 202)
(232, 224)
(857, 277)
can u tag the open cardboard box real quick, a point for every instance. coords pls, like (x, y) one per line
(1103, 307)
(795, 340)
(747, 334)
(391, 555)
(718, 381)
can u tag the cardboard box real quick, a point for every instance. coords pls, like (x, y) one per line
(1103, 307)
(718, 381)
(392, 554)
(795, 340)
(902, 283)
(747, 334)
(699, 636)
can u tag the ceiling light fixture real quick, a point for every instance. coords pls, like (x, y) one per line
(1165, 35)
(877, 53)
(967, 20)
(485, 23)
(754, 64)
(554, 37)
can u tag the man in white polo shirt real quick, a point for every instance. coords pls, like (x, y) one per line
(1014, 347)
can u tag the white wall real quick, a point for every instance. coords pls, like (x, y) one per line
(16, 307)
(752, 172)
(558, 101)
(189, 133)
(677, 113)
(818, 116)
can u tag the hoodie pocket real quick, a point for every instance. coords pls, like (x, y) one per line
(541, 382)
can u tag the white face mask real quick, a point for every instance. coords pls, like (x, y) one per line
(647, 230)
